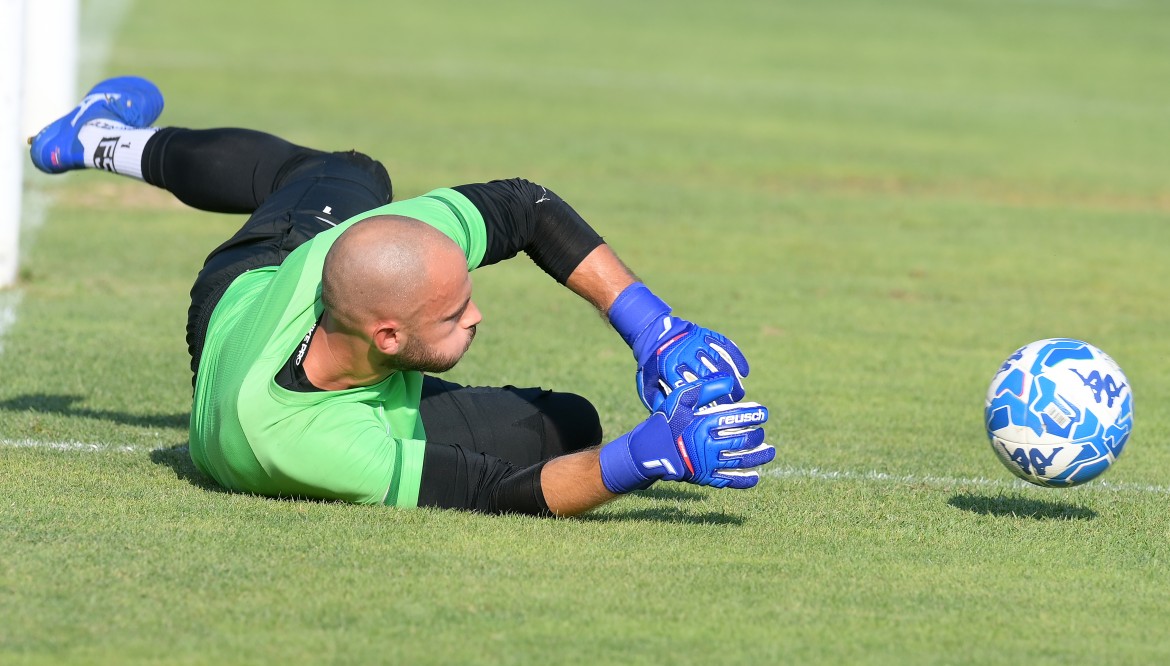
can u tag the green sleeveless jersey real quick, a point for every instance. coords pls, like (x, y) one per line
(362, 445)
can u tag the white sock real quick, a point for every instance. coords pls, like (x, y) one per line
(114, 147)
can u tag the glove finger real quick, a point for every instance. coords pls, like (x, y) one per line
(658, 397)
(760, 454)
(700, 391)
(731, 354)
(713, 387)
(737, 479)
(718, 363)
(714, 362)
(735, 392)
(688, 375)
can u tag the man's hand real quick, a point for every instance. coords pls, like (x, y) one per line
(710, 446)
(682, 353)
(671, 351)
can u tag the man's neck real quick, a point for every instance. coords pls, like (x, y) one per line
(337, 360)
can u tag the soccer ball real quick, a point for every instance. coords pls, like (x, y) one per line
(1058, 412)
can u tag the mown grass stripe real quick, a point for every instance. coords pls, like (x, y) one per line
(875, 476)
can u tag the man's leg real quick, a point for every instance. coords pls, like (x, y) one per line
(221, 170)
(218, 170)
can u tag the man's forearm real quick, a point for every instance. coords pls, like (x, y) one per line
(600, 278)
(572, 484)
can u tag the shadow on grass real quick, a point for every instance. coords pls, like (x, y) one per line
(668, 492)
(178, 458)
(663, 515)
(1020, 507)
(63, 405)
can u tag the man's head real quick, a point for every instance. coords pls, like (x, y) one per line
(401, 286)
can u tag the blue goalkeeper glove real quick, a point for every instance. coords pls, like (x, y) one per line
(672, 351)
(709, 446)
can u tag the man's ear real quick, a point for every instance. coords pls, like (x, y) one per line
(388, 337)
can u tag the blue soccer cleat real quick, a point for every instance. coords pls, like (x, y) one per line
(129, 100)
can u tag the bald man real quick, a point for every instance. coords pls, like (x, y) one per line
(313, 330)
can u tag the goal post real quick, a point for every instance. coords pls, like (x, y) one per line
(11, 152)
(50, 61)
(38, 81)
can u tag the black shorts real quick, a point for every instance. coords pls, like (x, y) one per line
(318, 191)
(479, 436)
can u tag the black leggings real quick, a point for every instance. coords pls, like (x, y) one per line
(485, 446)
(228, 170)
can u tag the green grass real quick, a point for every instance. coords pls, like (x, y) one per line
(877, 201)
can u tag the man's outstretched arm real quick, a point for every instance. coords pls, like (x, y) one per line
(687, 440)
(522, 216)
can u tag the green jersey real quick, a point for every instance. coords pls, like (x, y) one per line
(362, 445)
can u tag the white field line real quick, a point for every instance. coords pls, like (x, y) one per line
(9, 301)
(818, 474)
(84, 447)
(811, 473)
(37, 201)
(35, 207)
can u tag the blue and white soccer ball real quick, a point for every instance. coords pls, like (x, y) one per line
(1059, 412)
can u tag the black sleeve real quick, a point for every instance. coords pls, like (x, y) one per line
(521, 215)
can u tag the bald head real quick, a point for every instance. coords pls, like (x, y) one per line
(387, 267)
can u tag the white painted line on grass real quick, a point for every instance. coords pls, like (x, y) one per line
(83, 447)
(9, 302)
(812, 473)
(35, 208)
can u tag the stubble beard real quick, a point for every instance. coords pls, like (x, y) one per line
(418, 357)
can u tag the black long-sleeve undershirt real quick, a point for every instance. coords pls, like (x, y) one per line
(523, 216)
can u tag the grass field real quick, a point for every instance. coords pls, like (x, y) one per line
(877, 201)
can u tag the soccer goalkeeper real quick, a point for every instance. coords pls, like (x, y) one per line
(313, 328)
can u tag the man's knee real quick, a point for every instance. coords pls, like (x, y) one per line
(571, 423)
(374, 170)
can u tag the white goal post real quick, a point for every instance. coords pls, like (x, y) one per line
(38, 82)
